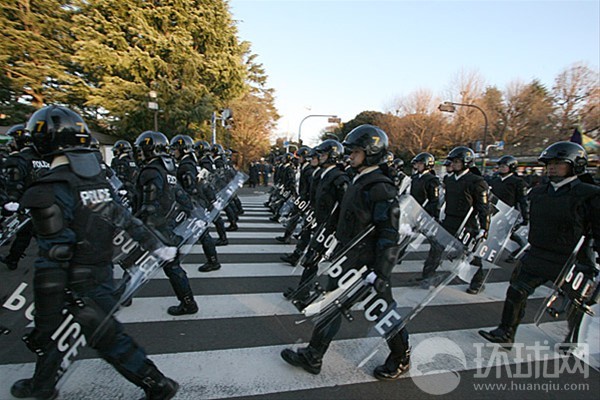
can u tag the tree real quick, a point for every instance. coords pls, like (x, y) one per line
(529, 112)
(35, 55)
(185, 50)
(576, 96)
(254, 114)
(419, 126)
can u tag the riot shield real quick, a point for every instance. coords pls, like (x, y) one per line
(142, 250)
(16, 312)
(502, 220)
(142, 264)
(588, 336)
(11, 225)
(572, 301)
(345, 288)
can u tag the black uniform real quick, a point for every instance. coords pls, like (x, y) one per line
(187, 173)
(512, 190)
(559, 217)
(370, 199)
(463, 191)
(425, 188)
(74, 215)
(330, 191)
(306, 171)
(21, 169)
(161, 198)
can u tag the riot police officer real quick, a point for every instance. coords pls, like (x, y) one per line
(20, 170)
(561, 212)
(70, 207)
(161, 198)
(306, 170)
(370, 199)
(329, 193)
(425, 185)
(125, 167)
(512, 190)
(202, 152)
(464, 190)
(187, 175)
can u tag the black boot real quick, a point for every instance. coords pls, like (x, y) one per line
(187, 306)
(24, 388)
(221, 242)
(11, 263)
(291, 258)
(305, 358)
(513, 311)
(156, 386)
(211, 265)
(232, 227)
(283, 239)
(42, 385)
(504, 337)
(393, 368)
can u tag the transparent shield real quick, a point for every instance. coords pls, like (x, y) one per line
(344, 289)
(11, 225)
(502, 221)
(571, 302)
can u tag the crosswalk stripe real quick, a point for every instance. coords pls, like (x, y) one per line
(153, 309)
(204, 374)
(256, 268)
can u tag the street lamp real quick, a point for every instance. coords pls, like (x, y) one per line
(311, 116)
(153, 105)
(450, 107)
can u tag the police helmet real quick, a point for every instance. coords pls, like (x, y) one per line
(332, 148)
(389, 158)
(510, 161)
(183, 143)
(120, 147)
(569, 152)
(150, 144)
(201, 147)
(286, 158)
(371, 139)
(55, 128)
(20, 136)
(217, 149)
(426, 158)
(398, 163)
(303, 151)
(464, 153)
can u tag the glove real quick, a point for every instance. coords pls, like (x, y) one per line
(524, 223)
(11, 206)
(165, 253)
(405, 230)
(482, 234)
(378, 283)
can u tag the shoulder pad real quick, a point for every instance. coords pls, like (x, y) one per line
(169, 164)
(84, 164)
(341, 179)
(39, 195)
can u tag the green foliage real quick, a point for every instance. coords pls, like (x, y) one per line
(186, 51)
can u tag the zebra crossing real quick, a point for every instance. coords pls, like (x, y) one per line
(230, 348)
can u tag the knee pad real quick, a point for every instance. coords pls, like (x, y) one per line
(517, 293)
(99, 330)
(49, 289)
